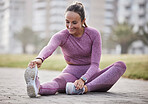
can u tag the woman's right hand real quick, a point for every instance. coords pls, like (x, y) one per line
(34, 62)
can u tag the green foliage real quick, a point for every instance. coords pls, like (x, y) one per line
(137, 67)
(26, 37)
(143, 34)
(124, 36)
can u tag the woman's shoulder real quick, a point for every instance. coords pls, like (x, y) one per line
(61, 34)
(93, 32)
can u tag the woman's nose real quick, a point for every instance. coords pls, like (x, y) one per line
(70, 25)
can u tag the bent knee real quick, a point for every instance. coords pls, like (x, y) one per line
(121, 64)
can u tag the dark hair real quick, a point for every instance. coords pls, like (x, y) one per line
(78, 8)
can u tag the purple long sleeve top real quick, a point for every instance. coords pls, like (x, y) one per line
(84, 50)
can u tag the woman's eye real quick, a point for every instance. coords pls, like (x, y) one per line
(67, 21)
(74, 22)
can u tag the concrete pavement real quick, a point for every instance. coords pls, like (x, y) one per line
(13, 91)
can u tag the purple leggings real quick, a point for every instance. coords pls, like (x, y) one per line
(102, 81)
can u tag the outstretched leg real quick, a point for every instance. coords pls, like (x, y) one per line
(106, 78)
(56, 85)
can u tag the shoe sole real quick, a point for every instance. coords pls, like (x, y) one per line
(30, 76)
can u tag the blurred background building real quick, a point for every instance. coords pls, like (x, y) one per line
(134, 12)
(46, 17)
(14, 15)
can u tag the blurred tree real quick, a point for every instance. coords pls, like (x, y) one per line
(143, 34)
(26, 37)
(124, 35)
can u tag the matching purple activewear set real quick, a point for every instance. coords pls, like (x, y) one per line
(84, 53)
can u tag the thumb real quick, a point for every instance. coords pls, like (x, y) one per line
(38, 65)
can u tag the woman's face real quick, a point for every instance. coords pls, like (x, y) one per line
(73, 22)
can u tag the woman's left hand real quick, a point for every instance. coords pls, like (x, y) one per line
(79, 84)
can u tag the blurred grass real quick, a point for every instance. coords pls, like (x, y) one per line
(137, 65)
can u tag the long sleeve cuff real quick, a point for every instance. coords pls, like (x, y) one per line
(40, 58)
(94, 68)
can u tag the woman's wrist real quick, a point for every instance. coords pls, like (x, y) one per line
(83, 79)
(40, 59)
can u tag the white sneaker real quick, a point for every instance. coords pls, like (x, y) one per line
(71, 89)
(32, 81)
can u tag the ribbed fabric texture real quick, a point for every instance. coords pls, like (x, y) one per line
(84, 50)
(101, 81)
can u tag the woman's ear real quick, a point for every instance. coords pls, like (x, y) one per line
(83, 21)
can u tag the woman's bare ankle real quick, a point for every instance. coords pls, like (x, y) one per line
(86, 89)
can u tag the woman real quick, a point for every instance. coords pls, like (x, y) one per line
(81, 46)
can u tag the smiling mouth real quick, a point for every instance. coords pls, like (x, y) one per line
(72, 29)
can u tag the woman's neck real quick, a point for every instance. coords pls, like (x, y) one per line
(80, 33)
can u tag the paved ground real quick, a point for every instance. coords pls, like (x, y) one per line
(125, 91)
